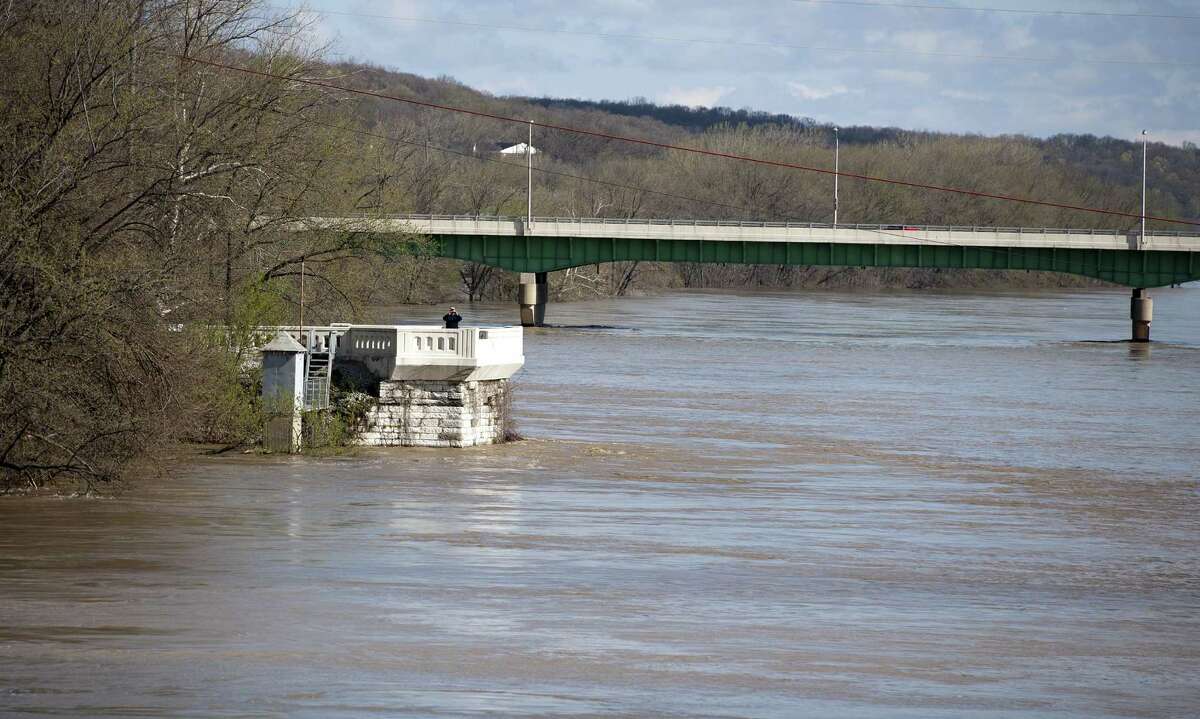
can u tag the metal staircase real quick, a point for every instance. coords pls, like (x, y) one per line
(318, 368)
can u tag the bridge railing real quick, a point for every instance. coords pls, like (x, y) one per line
(799, 225)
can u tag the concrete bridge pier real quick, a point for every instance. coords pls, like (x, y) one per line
(1141, 311)
(532, 298)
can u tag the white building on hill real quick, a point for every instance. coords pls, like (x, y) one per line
(518, 149)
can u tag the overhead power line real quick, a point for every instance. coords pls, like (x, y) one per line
(742, 43)
(1012, 11)
(679, 148)
(515, 165)
(591, 180)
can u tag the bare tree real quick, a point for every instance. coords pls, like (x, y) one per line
(145, 188)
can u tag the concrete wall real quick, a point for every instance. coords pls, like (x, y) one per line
(426, 413)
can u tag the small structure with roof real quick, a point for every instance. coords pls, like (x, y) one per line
(283, 363)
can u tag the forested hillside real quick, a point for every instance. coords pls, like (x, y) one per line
(1174, 172)
(1076, 169)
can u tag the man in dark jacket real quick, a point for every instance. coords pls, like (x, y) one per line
(452, 318)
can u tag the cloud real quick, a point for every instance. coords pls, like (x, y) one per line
(924, 42)
(1177, 88)
(965, 96)
(1018, 38)
(509, 85)
(917, 41)
(863, 66)
(694, 96)
(905, 77)
(1077, 75)
(809, 92)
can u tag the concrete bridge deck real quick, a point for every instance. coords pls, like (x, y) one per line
(788, 232)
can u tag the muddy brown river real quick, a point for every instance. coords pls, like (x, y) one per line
(729, 505)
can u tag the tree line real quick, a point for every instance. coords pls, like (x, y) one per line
(145, 211)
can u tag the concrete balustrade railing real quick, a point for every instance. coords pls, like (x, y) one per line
(427, 352)
(315, 338)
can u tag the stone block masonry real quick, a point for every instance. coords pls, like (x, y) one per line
(427, 413)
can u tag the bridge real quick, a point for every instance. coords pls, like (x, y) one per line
(538, 245)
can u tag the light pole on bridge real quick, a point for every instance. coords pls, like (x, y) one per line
(529, 185)
(1145, 139)
(533, 290)
(836, 167)
(1141, 307)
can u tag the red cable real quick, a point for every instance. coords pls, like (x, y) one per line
(666, 146)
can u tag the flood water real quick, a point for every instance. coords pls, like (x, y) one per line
(729, 505)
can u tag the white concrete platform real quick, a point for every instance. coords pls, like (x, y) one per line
(420, 352)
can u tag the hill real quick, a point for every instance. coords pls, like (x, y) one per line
(1100, 170)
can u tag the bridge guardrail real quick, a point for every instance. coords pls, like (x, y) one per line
(878, 227)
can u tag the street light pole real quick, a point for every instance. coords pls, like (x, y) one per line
(836, 168)
(1145, 134)
(1141, 307)
(529, 186)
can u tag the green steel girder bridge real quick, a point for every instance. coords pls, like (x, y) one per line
(538, 245)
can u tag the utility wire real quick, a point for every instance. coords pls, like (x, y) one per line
(485, 158)
(681, 148)
(583, 178)
(1012, 11)
(737, 43)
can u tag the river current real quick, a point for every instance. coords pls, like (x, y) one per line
(954, 504)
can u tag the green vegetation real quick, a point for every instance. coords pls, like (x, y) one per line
(144, 200)
(147, 200)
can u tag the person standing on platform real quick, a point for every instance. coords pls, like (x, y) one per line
(452, 318)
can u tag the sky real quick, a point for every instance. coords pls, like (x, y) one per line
(1034, 67)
